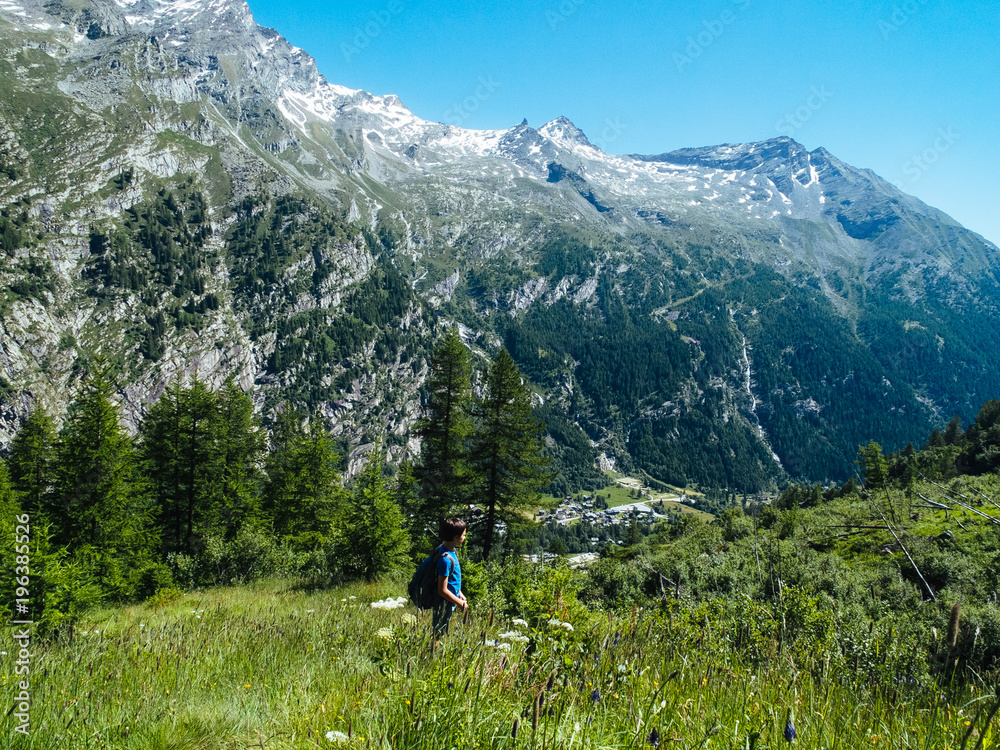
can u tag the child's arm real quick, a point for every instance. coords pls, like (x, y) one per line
(445, 593)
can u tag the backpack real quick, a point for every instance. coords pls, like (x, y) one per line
(423, 585)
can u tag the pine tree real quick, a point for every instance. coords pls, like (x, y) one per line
(61, 589)
(634, 535)
(302, 490)
(375, 537)
(507, 451)
(936, 440)
(981, 454)
(182, 458)
(443, 470)
(159, 450)
(31, 456)
(201, 464)
(876, 471)
(953, 433)
(406, 492)
(242, 444)
(873, 464)
(557, 547)
(100, 504)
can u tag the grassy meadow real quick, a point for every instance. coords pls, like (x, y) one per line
(278, 664)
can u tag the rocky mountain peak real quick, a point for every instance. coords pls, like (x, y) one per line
(741, 156)
(260, 174)
(563, 130)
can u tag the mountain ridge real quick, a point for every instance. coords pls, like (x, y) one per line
(310, 191)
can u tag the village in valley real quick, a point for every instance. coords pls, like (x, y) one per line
(607, 512)
(604, 510)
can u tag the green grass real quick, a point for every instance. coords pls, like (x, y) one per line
(277, 666)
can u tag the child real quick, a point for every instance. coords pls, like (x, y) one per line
(449, 572)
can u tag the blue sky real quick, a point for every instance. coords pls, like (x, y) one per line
(909, 89)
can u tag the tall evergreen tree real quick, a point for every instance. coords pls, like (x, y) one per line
(445, 429)
(160, 453)
(406, 492)
(876, 471)
(242, 443)
(302, 491)
(183, 460)
(953, 433)
(375, 538)
(982, 451)
(100, 504)
(31, 467)
(935, 440)
(507, 450)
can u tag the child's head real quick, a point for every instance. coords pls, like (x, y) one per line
(452, 529)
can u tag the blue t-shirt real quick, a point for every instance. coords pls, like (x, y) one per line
(448, 567)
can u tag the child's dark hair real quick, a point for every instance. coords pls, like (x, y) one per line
(452, 528)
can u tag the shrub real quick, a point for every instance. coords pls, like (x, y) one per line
(253, 554)
(614, 583)
(154, 578)
(735, 525)
(164, 596)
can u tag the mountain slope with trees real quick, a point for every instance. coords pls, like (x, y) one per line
(728, 316)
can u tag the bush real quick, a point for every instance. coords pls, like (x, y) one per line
(474, 581)
(164, 596)
(615, 583)
(67, 589)
(253, 554)
(154, 578)
(735, 525)
(981, 640)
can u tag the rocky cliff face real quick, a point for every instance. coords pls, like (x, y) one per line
(184, 194)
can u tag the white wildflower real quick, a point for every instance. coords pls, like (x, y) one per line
(623, 668)
(386, 634)
(502, 646)
(514, 636)
(555, 622)
(519, 621)
(568, 626)
(339, 737)
(410, 619)
(389, 603)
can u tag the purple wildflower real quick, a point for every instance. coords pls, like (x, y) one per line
(790, 732)
(654, 738)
